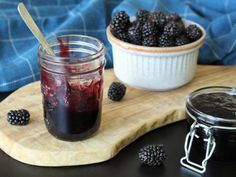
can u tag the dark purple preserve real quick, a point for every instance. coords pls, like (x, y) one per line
(73, 111)
(222, 105)
(214, 107)
(72, 91)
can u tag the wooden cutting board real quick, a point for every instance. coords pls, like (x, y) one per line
(122, 122)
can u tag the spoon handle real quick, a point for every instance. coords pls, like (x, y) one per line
(33, 28)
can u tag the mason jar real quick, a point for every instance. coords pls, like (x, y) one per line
(72, 86)
(211, 116)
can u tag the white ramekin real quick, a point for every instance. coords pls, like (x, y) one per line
(155, 68)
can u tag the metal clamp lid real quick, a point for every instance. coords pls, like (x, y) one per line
(210, 144)
(185, 161)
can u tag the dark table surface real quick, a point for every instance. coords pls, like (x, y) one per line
(126, 163)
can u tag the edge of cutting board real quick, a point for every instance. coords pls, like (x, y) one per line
(122, 122)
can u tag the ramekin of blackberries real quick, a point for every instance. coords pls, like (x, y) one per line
(153, 50)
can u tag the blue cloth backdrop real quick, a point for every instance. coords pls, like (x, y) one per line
(18, 47)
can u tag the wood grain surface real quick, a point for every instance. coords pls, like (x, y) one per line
(122, 122)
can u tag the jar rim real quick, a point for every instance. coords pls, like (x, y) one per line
(98, 53)
(214, 89)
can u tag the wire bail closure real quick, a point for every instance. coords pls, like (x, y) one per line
(207, 126)
(211, 144)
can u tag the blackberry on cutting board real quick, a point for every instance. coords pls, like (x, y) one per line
(119, 23)
(18, 117)
(142, 15)
(135, 33)
(148, 29)
(193, 32)
(165, 41)
(116, 91)
(150, 41)
(181, 40)
(152, 155)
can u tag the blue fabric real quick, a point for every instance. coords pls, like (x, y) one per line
(18, 47)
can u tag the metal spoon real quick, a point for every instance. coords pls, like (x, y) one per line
(34, 28)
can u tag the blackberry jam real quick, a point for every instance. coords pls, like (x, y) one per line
(211, 117)
(72, 86)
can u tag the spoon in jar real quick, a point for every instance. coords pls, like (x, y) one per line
(34, 28)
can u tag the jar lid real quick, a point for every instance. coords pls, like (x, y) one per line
(213, 105)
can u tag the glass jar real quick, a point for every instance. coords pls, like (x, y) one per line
(211, 115)
(72, 86)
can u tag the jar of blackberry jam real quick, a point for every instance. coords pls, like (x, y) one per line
(72, 86)
(211, 116)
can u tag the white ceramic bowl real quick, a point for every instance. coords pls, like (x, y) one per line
(155, 68)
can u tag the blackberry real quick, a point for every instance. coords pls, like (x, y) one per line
(119, 23)
(18, 117)
(165, 41)
(173, 29)
(149, 29)
(150, 41)
(122, 35)
(116, 91)
(142, 15)
(135, 33)
(181, 40)
(159, 18)
(193, 32)
(173, 17)
(152, 155)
